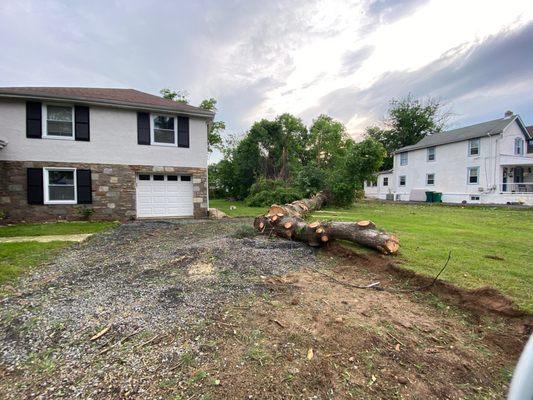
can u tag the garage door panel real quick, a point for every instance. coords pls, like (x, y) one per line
(164, 198)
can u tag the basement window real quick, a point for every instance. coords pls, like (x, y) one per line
(60, 185)
(474, 198)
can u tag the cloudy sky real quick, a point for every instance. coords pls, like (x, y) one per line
(263, 58)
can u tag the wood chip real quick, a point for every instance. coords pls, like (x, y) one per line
(101, 333)
(310, 354)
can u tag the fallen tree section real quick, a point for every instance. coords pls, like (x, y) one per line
(287, 222)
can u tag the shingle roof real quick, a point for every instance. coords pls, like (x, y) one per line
(530, 130)
(109, 96)
(493, 127)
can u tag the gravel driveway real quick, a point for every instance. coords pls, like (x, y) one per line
(137, 283)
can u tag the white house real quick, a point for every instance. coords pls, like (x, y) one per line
(488, 163)
(119, 152)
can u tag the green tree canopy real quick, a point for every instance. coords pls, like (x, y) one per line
(407, 122)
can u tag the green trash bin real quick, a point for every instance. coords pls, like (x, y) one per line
(429, 197)
(437, 197)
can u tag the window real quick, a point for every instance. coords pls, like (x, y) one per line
(385, 181)
(159, 177)
(144, 177)
(430, 179)
(59, 122)
(473, 175)
(60, 185)
(431, 153)
(185, 178)
(403, 158)
(473, 147)
(402, 180)
(172, 177)
(474, 198)
(519, 147)
(164, 130)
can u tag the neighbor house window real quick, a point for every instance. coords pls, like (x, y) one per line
(385, 181)
(473, 147)
(431, 153)
(473, 175)
(164, 130)
(519, 147)
(60, 185)
(59, 122)
(402, 180)
(403, 158)
(430, 179)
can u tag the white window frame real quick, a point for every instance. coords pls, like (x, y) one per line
(518, 149)
(434, 153)
(44, 122)
(385, 179)
(427, 179)
(468, 175)
(400, 180)
(152, 127)
(406, 158)
(46, 187)
(478, 141)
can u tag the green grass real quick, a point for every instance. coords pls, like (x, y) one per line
(54, 228)
(428, 232)
(16, 258)
(240, 211)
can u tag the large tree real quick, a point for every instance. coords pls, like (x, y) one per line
(407, 122)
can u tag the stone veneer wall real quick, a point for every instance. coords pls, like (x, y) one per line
(113, 188)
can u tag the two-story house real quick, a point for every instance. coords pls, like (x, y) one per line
(489, 163)
(120, 152)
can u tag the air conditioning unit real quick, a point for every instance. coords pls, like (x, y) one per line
(389, 196)
(480, 189)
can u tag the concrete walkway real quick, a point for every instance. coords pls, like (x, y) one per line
(49, 238)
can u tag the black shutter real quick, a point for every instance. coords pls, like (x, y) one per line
(84, 186)
(143, 128)
(81, 121)
(183, 132)
(35, 185)
(34, 111)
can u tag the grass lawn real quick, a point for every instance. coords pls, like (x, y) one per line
(240, 211)
(54, 228)
(16, 258)
(428, 232)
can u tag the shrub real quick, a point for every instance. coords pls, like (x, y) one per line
(85, 212)
(311, 179)
(266, 192)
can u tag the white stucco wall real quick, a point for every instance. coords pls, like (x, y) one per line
(113, 141)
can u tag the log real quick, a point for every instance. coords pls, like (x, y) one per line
(287, 222)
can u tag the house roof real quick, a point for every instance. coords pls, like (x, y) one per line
(493, 127)
(388, 171)
(129, 98)
(530, 130)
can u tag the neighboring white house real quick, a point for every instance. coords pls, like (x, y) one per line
(488, 163)
(119, 152)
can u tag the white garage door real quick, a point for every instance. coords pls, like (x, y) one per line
(164, 195)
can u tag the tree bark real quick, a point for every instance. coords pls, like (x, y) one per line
(287, 221)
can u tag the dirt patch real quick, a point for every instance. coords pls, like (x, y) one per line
(481, 301)
(202, 310)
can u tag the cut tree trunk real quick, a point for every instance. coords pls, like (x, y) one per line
(287, 221)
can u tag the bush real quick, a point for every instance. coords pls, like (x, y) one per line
(342, 193)
(311, 179)
(85, 212)
(266, 192)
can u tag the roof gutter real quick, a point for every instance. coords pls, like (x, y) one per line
(113, 103)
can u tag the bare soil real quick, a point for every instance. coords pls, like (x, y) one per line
(194, 310)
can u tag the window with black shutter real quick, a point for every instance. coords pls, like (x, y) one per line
(81, 118)
(84, 186)
(143, 128)
(34, 127)
(35, 185)
(183, 132)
